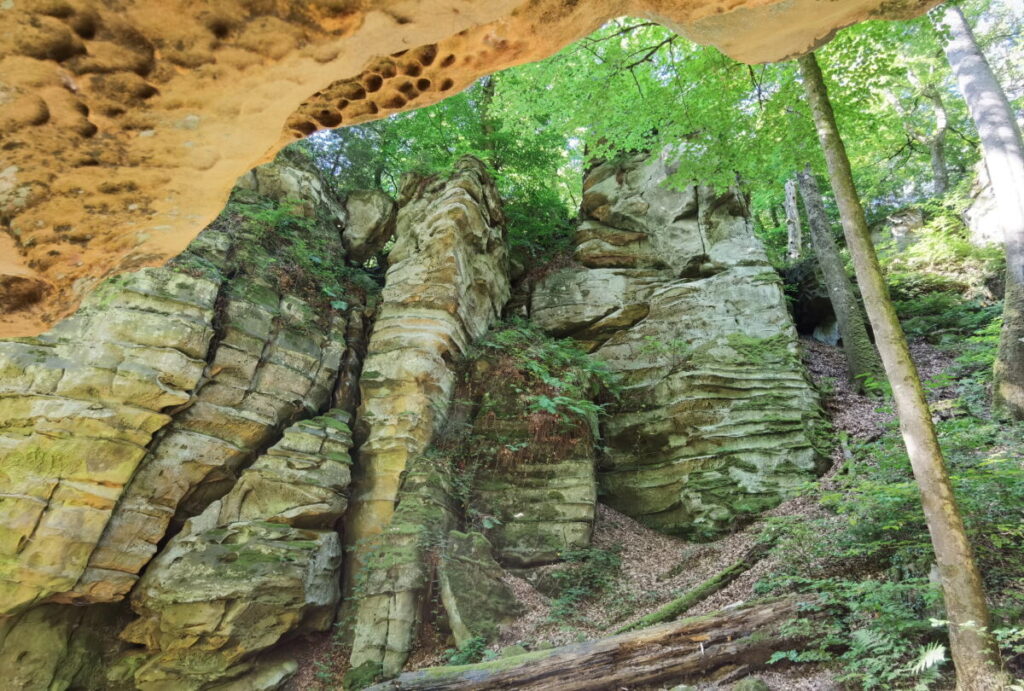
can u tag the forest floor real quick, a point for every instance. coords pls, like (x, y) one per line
(657, 568)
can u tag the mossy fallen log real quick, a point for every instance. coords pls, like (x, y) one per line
(697, 647)
(678, 607)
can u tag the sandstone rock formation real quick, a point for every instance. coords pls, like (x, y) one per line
(146, 401)
(395, 574)
(125, 126)
(717, 420)
(56, 647)
(446, 283)
(533, 472)
(370, 224)
(141, 409)
(259, 564)
(475, 598)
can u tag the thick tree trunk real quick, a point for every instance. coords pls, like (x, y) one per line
(861, 356)
(1003, 151)
(972, 646)
(795, 232)
(736, 640)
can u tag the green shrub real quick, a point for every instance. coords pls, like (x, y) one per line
(469, 652)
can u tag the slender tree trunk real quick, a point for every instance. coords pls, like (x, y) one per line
(487, 124)
(973, 648)
(861, 356)
(795, 232)
(937, 142)
(1003, 152)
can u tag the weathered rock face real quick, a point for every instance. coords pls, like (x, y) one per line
(371, 223)
(475, 598)
(392, 582)
(260, 563)
(717, 420)
(56, 647)
(146, 402)
(532, 471)
(446, 284)
(126, 126)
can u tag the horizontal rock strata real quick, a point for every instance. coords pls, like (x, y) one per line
(447, 282)
(717, 420)
(533, 472)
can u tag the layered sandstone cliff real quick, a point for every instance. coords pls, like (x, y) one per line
(717, 420)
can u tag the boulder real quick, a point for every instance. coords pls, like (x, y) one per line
(259, 564)
(371, 223)
(474, 596)
(717, 420)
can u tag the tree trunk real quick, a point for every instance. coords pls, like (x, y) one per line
(1003, 152)
(861, 356)
(736, 640)
(795, 232)
(937, 142)
(681, 605)
(972, 646)
(487, 125)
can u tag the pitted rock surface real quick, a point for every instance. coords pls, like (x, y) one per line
(126, 125)
(717, 420)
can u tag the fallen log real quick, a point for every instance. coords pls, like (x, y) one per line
(698, 647)
(678, 607)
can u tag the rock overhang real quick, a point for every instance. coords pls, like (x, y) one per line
(123, 129)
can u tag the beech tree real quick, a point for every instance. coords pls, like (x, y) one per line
(1003, 154)
(795, 234)
(972, 646)
(861, 357)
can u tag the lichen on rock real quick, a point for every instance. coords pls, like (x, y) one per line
(446, 283)
(144, 404)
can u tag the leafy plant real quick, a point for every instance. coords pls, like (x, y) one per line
(469, 652)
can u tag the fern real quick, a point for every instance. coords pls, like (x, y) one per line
(930, 657)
